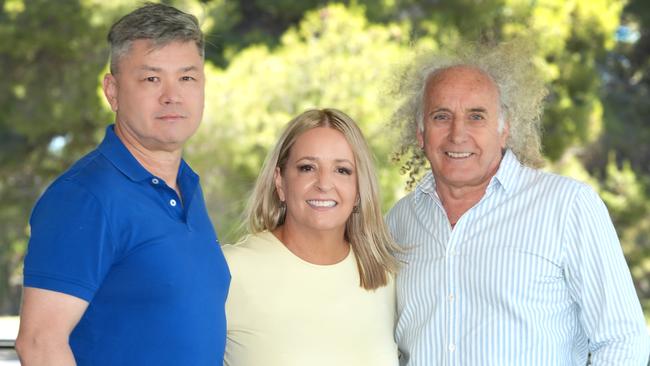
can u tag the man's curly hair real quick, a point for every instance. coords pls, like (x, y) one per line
(521, 94)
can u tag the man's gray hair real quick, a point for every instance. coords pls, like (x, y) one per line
(161, 24)
(521, 96)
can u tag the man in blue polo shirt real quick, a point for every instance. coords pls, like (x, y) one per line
(123, 265)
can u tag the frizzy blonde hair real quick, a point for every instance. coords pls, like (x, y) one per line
(521, 95)
(364, 229)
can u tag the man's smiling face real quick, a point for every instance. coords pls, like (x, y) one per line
(462, 137)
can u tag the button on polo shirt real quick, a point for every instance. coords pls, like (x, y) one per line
(106, 231)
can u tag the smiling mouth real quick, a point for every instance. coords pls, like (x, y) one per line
(321, 203)
(458, 155)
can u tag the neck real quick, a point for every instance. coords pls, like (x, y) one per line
(458, 200)
(163, 164)
(317, 247)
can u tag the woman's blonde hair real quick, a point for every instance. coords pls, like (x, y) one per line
(365, 228)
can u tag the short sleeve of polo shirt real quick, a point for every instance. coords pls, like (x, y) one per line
(70, 249)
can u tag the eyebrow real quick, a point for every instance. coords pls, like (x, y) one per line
(475, 109)
(441, 109)
(313, 158)
(158, 69)
(478, 109)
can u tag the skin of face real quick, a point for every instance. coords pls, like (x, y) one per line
(318, 182)
(461, 137)
(157, 95)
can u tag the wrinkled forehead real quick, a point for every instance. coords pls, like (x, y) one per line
(464, 82)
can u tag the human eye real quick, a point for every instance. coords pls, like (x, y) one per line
(440, 116)
(188, 78)
(151, 79)
(344, 170)
(476, 117)
(305, 168)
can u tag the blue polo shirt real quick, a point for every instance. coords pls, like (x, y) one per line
(149, 264)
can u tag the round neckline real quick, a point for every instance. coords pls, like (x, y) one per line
(291, 254)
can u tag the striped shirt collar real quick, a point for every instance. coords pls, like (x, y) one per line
(505, 177)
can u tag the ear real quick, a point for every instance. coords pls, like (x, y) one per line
(420, 138)
(504, 134)
(278, 184)
(109, 85)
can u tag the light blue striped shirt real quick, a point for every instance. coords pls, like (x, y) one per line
(533, 274)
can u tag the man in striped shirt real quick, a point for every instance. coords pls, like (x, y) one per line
(503, 264)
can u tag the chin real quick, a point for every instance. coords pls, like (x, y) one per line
(325, 227)
(176, 139)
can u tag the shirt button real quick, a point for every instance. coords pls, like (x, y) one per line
(452, 347)
(155, 181)
(172, 202)
(451, 297)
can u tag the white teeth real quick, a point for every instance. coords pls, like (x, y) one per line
(318, 203)
(458, 155)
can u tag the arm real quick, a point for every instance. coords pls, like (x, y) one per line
(601, 285)
(46, 321)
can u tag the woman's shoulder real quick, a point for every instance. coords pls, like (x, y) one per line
(249, 246)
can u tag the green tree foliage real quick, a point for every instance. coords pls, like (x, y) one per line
(51, 108)
(334, 58)
(50, 111)
(626, 196)
(270, 60)
(574, 40)
(626, 173)
(236, 24)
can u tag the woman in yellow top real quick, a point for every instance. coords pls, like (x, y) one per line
(313, 282)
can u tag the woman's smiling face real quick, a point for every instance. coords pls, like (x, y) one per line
(319, 181)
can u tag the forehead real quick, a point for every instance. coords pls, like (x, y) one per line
(174, 52)
(462, 84)
(325, 142)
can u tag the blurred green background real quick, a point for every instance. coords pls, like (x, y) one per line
(269, 60)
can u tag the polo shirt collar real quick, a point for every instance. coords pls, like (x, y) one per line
(505, 177)
(188, 182)
(114, 150)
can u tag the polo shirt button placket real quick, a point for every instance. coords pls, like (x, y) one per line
(174, 205)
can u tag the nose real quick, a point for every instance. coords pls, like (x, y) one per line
(170, 93)
(457, 133)
(324, 181)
